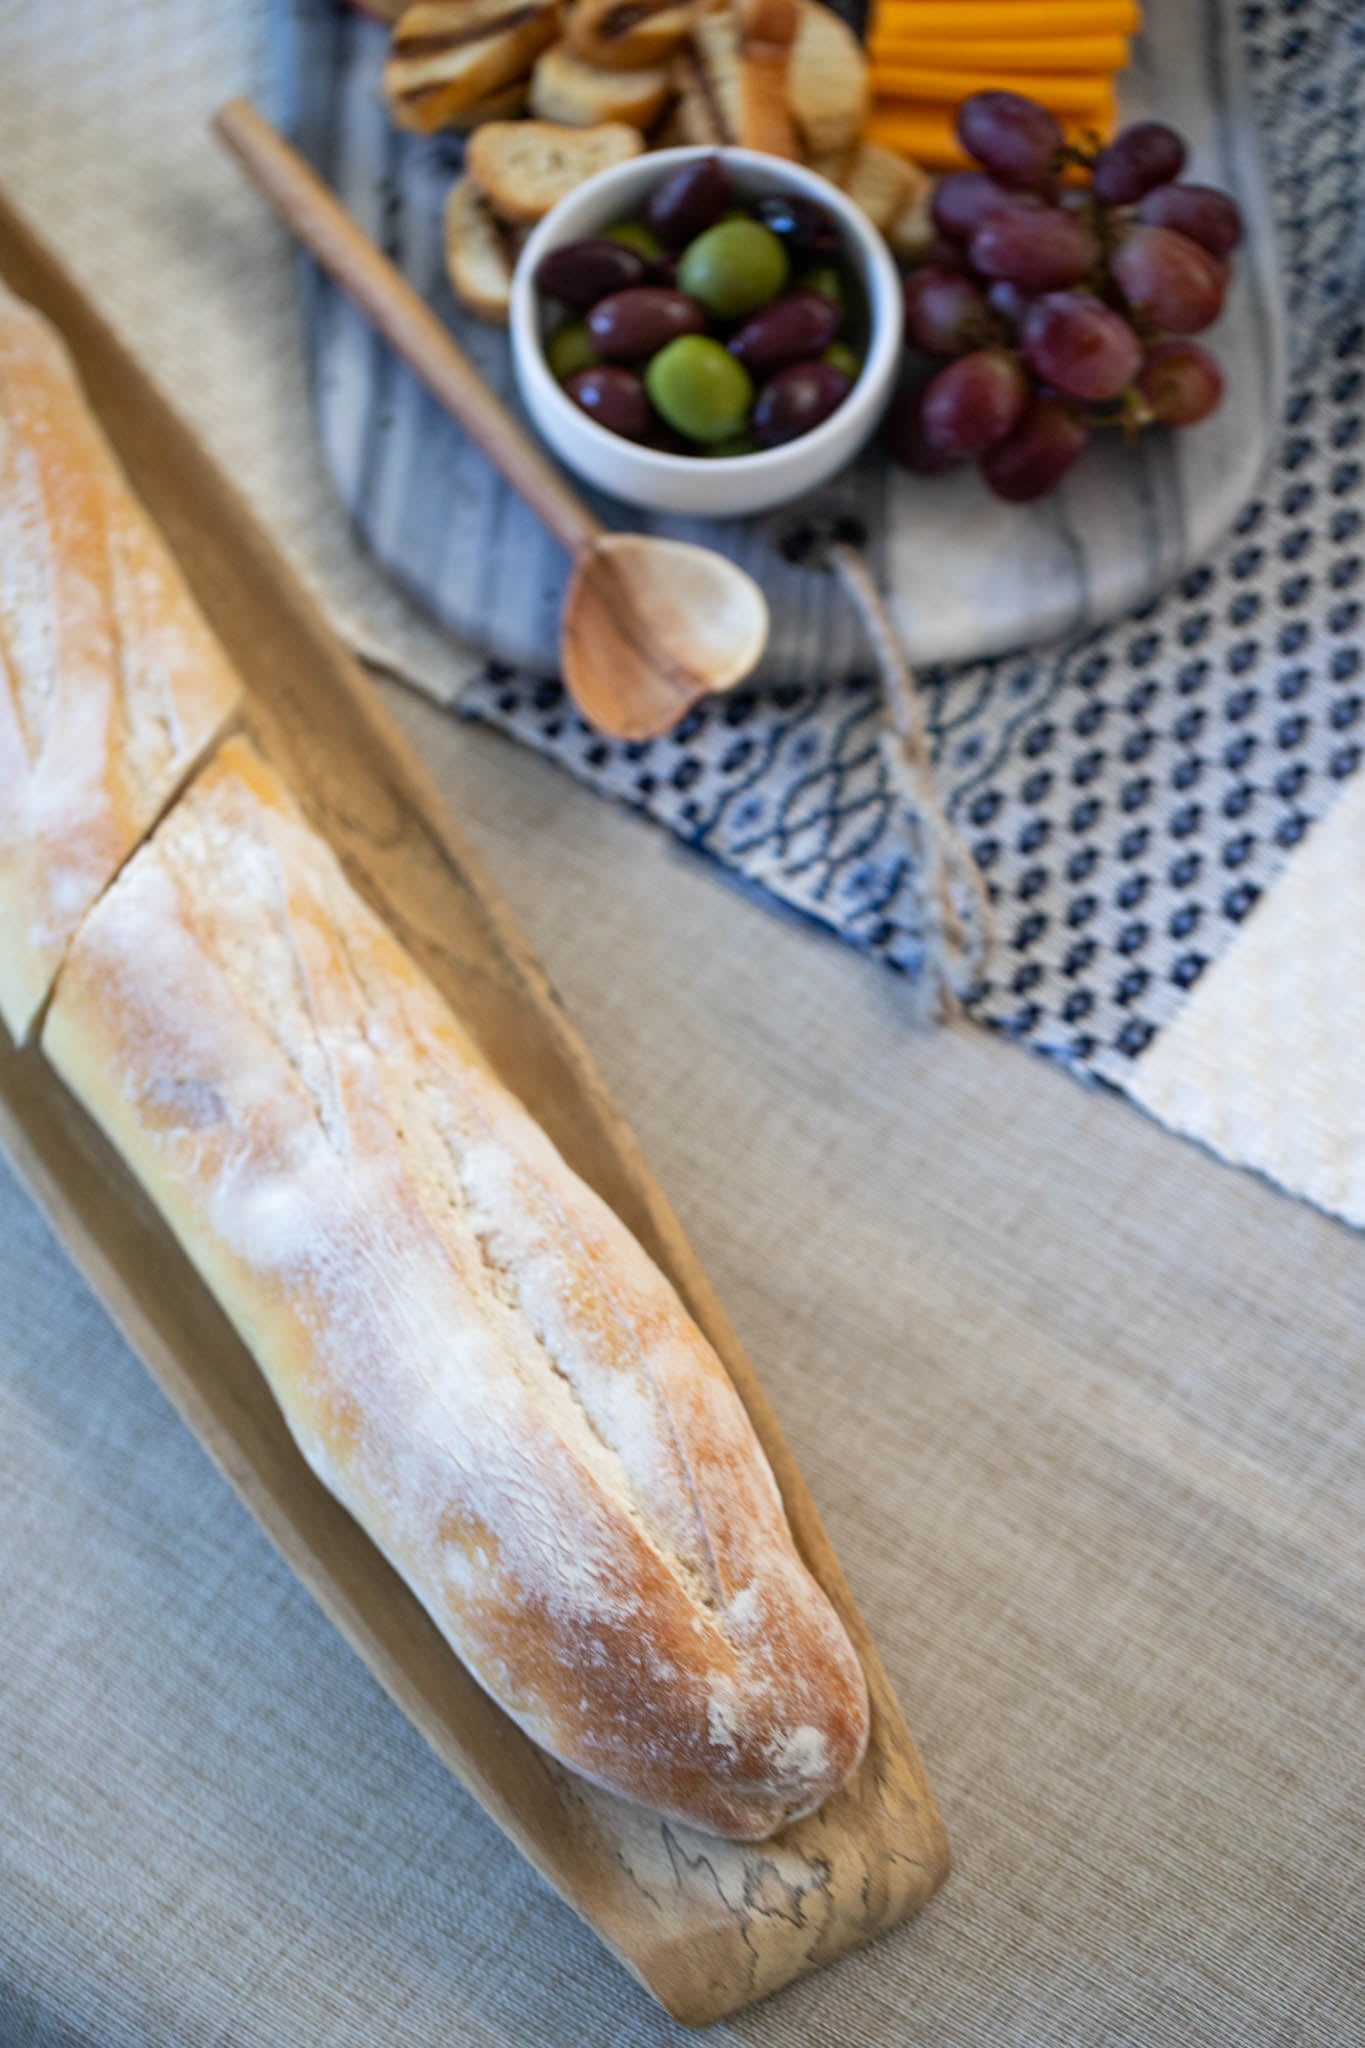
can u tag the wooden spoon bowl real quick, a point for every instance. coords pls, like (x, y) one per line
(649, 626)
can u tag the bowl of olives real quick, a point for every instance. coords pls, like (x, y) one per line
(707, 331)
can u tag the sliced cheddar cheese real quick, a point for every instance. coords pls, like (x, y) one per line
(925, 132)
(1061, 94)
(979, 20)
(1096, 55)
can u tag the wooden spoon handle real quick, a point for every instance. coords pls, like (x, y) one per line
(346, 253)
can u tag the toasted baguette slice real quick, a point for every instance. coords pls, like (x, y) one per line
(697, 116)
(112, 686)
(827, 84)
(469, 1348)
(881, 182)
(580, 95)
(499, 106)
(523, 168)
(629, 35)
(742, 54)
(912, 231)
(480, 252)
(448, 55)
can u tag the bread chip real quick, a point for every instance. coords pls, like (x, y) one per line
(480, 253)
(629, 35)
(912, 232)
(449, 55)
(827, 84)
(523, 168)
(565, 89)
(881, 183)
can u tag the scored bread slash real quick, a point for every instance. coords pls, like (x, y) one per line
(628, 35)
(566, 89)
(481, 253)
(448, 55)
(827, 84)
(524, 168)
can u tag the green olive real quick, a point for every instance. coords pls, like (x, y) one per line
(826, 279)
(733, 268)
(570, 349)
(844, 358)
(734, 444)
(699, 388)
(637, 235)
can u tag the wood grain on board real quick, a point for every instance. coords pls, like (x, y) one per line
(707, 1926)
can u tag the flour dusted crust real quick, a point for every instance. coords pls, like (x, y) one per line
(112, 688)
(472, 1352)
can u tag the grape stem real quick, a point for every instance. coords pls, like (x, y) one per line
(959, 919)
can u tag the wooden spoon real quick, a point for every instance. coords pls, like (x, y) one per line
(648, 625)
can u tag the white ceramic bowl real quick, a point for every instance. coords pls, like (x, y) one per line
(715, 486)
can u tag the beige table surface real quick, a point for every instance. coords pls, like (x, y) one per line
(1083, 1410)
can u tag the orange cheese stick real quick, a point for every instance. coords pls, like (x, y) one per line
(1060, 94)
(1096, 55)
(927, 136)
(973, 20)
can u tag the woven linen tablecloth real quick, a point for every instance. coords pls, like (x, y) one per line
(1085, 1412)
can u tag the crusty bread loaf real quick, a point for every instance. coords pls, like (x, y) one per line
(472, 1352)
(523, 168)
(566, 89)
(111, 686)
(449, 55)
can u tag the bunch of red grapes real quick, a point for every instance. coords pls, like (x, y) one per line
(1060, 308)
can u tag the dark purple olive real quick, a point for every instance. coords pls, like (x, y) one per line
(613, 397)
(631, 325)
(797, 399)
(801, 325)
(664, 269)
(581, 273)
(808, 230)
(690, 200)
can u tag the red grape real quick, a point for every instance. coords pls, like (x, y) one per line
(946, 313)
(1040, 251)
(1181, 383)
(1037, 455)
(1207, 216)
(1138, 158)
(1010, 302)
(963, 199)
(1080, 346)
(1013, 137)
(1170, 280)
(903, 434)
(974, 403)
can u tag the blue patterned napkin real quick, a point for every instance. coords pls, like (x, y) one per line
(1129, 794)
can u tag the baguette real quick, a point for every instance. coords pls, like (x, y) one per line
(580, 95)
(449, 55)
(523, 168)
(112, 688)
(470, 1349)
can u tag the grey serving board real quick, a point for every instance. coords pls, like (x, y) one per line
(966, 576)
